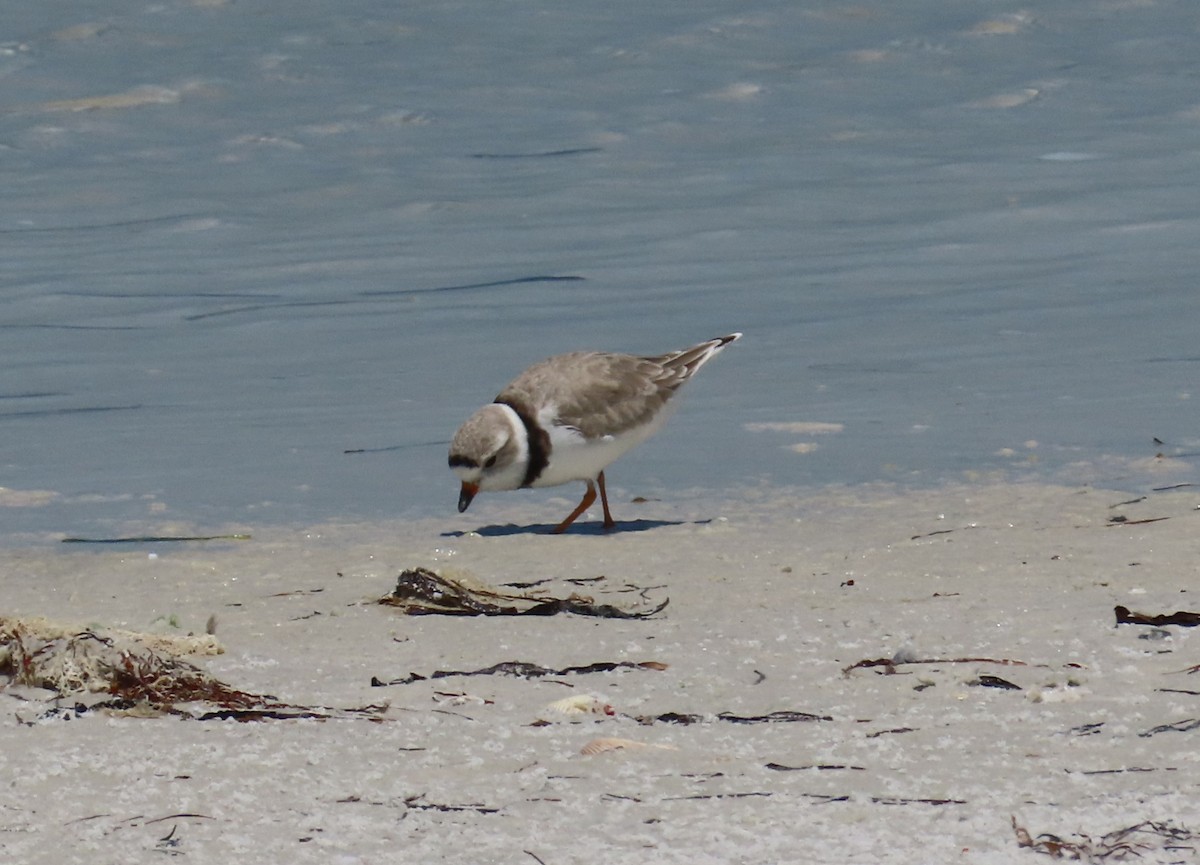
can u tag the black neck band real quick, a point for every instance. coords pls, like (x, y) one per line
(538, 441)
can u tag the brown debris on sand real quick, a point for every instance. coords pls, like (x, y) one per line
(141, 675)
(783, 716)
(524, 670)
(1183, 618)
(132, 668)
(890, 664)
(421, 592)
(1119, 845)
(42, 628)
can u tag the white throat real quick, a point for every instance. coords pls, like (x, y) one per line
(511, 476)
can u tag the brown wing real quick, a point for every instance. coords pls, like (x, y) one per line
(596, 392)
(686, 362)
(600, 393)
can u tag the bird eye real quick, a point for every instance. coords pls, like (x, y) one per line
(491, 461)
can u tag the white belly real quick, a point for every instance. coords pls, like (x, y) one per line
(573, 458)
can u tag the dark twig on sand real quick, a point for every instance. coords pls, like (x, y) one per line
(890, 664)
(524, 670)
(1179, 617)
(1184, 726)
(156, 539)
(780, 717)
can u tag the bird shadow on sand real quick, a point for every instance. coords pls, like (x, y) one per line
(590, 529)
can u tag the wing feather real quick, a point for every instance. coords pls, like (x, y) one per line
(600, 393)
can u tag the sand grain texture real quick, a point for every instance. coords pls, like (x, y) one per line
(1014, 694)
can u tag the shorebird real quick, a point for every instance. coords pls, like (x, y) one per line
(567, 418)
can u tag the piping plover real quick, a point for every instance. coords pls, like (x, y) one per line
(568, 417)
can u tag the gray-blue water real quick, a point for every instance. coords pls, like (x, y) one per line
(239, 239)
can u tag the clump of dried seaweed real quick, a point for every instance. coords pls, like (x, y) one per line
(421, 592)
(40, 654)
(1119, 845)
(138, 677)
(130, 673)
(47, 629)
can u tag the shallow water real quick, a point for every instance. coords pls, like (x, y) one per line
(242, 241)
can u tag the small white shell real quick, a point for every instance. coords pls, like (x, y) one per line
(459, 700)
(604, 745)
(582, 704)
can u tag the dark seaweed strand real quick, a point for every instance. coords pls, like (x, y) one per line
(539, 442)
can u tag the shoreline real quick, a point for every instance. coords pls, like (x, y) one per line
(531, 508)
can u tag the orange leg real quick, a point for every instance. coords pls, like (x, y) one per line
(609, 522)
(588, 498)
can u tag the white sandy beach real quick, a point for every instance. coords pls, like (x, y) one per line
(772, 598)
